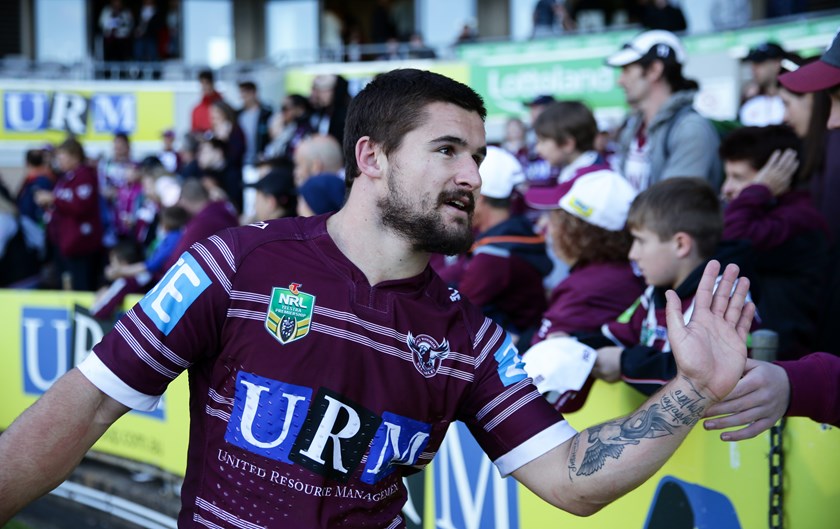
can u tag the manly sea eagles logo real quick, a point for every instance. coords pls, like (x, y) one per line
(428, 354)
(289, 313)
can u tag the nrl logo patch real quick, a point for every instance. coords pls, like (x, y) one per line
(289, 313)
(427, 353)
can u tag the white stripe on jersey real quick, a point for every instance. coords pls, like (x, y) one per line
(219, 414)
(246, 314)
(352, 318)
(250, 296)
(480, 334)
(141, 353)
(213, 265)
(157, 344)
(363, 340)
(510, 410)
(347, 317)
(396, 523)
(226, 253)
(213, 394)
(205, 522)
(387, 349)
(224, 515)
(490, 345)
(457, 373)
(490, 406)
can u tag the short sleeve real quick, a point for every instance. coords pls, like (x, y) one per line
(506, 414)
(178, 323)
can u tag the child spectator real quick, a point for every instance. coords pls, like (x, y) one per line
(109, 297)
(676, 226)
(586, 224)
(566, 132)
(129, 274)
(787, 232)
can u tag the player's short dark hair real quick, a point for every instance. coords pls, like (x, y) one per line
(35, 157)
(393, 104)
(675, 205)
(568, 119)
(588, 243)
(755, 145)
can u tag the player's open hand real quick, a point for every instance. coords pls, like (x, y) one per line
(711, 350)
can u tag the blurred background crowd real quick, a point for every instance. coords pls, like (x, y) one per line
(580, 226)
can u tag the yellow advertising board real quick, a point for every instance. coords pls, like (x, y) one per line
(35, 112)
(45, 334)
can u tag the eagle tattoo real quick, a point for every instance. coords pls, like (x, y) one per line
(609, 439)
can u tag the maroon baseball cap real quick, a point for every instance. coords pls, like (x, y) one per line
(817, 75)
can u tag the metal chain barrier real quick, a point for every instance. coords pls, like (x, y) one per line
(776, 519)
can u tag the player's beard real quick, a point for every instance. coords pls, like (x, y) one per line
(422, 223)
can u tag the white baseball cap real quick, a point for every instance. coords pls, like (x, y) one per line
(500, 173)
(656, 43)
(560, 368)
(600, 197)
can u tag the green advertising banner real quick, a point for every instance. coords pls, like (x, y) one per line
(572, 67)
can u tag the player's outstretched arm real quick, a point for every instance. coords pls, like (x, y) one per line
(602, 463)
(40, 449)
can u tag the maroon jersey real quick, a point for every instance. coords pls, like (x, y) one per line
(312, 392)
(74, 222)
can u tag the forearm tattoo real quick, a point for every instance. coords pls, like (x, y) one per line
(676, 409)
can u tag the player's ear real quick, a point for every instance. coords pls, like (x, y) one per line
(368, 155)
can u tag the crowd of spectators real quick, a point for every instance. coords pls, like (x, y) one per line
(579, 230)
(114, 224)
(630, 213)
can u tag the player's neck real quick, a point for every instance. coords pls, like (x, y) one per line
(379, 253)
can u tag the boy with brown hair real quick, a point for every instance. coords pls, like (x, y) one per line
(676, 226)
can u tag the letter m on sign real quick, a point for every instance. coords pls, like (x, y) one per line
(114, 113)
(469, 493)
